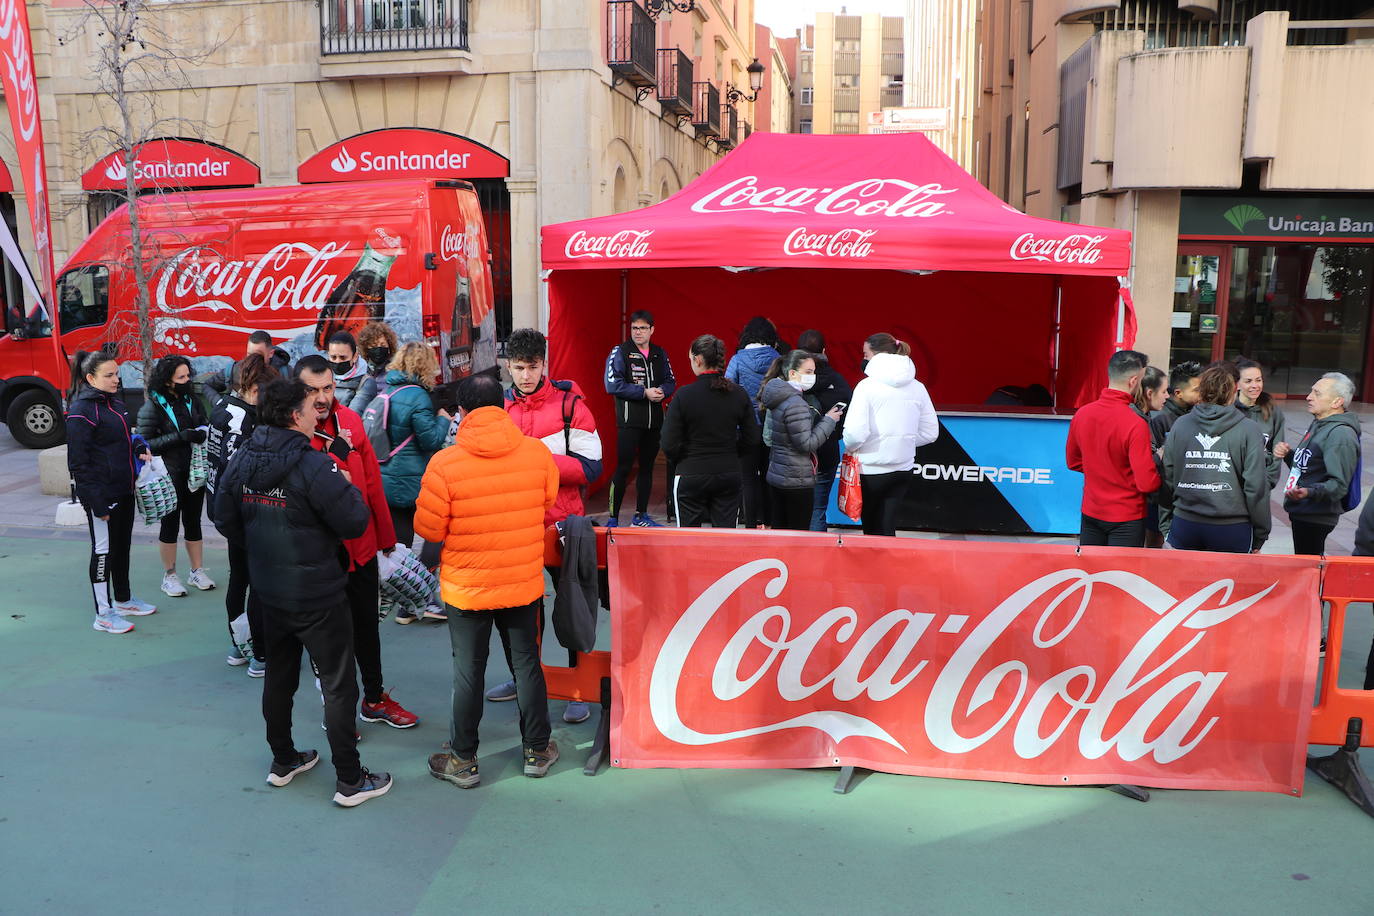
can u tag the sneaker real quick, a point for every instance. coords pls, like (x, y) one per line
(112, 623)
(235, 657)
(436, 613)
(460, 771)
(537, 763)
(501, 693)
(577, 712)
(172, 586)
(134, 608)
(198, 579)
(611, 522)
(257, 668)
(643, 520)
(369, 786)
(282, 773)
(405, 617)
(388, 711)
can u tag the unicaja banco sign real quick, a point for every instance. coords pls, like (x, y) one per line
(1277, 217)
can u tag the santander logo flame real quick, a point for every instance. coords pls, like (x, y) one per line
(1144, 706)
(292, 275)
(116, 171)
(843, 243)
(629, 243)
(343, 163)
(1073, 249)
(892, 197)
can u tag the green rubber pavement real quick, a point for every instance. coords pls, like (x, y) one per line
(132, 780)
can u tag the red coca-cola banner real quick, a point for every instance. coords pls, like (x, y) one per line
(173, 163)
(403, 152)
(1003, 662)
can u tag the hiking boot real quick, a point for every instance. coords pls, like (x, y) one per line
(369, 786)
(134, 608)
(282, 773)
(172, 586)
(235, 656)
(537, 763)
(112, 623)
(199, 579)
(501, 693)
(257, 668)
(436, 613)
(389, 711)
(644, 520)
(576, 712)
(461, 771)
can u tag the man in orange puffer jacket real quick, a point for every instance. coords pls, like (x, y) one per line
(485, 499)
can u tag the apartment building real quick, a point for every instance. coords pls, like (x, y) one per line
(941, 75)
(849, 68)
(1230, 136)
(553, 110)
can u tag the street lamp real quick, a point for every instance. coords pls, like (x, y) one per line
(656, 8)
(755, 71)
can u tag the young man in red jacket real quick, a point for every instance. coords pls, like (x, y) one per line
(1110, 444)
(339, 432)
(555, 413)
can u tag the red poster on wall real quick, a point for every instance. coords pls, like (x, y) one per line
(1005, 662)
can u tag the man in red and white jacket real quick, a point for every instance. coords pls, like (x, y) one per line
(1110, 444)
(339, 433)
(555, 413)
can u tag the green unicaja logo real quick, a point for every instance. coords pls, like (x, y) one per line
(1242, 214)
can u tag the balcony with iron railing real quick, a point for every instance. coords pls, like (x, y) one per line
(729, 134)
(706, 109)
(630, 43)
(380, 38)
(674, 81)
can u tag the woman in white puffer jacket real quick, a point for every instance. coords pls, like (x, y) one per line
(889, 418)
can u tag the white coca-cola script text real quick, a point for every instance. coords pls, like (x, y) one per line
(628, 243)
(894, 197)
(1073, 249)
(842, 243)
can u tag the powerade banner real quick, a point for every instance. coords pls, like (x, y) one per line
(991, 474)
(1011, 662)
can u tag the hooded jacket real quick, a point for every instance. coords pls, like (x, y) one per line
(485, 499)
(890, 416)
(1324, 462)
(628, 373)
(1215, 470)
(747, 369)
(1162, 420)
(169, 424)
(410, 414)
(1110, 446)
(798, 430)
(291, 509)
(354, 384)
(1272, 430)
(556, 414)
(231, 423)
(342, 437)
(100, 449)
(708, 429)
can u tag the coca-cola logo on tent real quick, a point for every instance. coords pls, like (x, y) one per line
(1073, 249)
(843, 243)
(890, 197)
(628, 243)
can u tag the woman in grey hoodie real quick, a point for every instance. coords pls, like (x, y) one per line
(1256, 403)
(796, 429)
(1215, 474)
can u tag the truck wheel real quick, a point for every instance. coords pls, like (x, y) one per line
(35, 420)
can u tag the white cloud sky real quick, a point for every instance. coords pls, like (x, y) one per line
(784, 17)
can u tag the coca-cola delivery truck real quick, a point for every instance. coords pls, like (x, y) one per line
(298, 262)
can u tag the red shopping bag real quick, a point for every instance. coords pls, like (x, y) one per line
(851, 498)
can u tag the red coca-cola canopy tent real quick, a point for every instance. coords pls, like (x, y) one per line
(176, 163)
(849, 235)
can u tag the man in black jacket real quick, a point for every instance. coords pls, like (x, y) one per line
(830, 389)
(640, 377)
(291, 508)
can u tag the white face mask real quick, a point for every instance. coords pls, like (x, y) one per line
(803, 383)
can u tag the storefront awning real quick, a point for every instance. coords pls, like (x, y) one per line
(174, 163)
(403, 152)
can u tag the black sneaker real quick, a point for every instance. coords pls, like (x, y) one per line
(369, 786)
(282, 773)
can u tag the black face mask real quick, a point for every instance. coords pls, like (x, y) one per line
(341, 368)
(184, 389)
(378, 356)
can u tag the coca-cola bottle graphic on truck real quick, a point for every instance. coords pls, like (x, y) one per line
(361, 297)
(458, 356)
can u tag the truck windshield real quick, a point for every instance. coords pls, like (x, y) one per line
(83, 296)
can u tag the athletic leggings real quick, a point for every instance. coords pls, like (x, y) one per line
(792, 507)
(883, 496)
(403, 520)
(634, 445)
(1185, 534)
(190, 504)
(110, 554)
(240, 598)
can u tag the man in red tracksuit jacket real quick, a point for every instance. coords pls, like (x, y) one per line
(1110, 444)
(555, 413)
(339, 432)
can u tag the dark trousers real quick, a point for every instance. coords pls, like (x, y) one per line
(367, 642)
(1093, 532)
(756, 501)
(327, 634)
(240, 598)
(1189, 535)
(634, 446)
(825, 482)
(186, 518)
(403, 520)
(792, 507)
(883, 497)
(110, 554)
(707, 497)
(470, 634)
(1309, 539)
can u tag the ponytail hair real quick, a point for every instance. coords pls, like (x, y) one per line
(84, 363)
(783, 365)
(883, 342)
(710, 349)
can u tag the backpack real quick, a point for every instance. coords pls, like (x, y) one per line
(375, 420)
(1352, 493)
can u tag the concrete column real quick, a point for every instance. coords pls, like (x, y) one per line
(1152, 217)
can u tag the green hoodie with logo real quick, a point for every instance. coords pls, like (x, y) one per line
(1323, 463)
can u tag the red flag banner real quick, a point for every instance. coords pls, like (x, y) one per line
(21, 96)
(1010, 662)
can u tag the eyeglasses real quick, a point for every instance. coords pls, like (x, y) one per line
(641, 327)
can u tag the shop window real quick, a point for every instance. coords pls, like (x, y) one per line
(83, 296)
(807, 94)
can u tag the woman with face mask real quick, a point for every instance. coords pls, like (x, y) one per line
(171, 420)
(376, 344)
(794, 429)
(353, 382)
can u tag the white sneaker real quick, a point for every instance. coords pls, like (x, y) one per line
(172, 586)
(134, 608)
(112, 623)
(200, 580)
